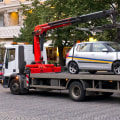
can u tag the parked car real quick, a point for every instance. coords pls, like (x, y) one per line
(1, 73)
(94, 56)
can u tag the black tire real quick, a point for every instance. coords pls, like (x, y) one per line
(15, 87)
(73, 68)
(92, 71)
(76, 91)
(116, 68)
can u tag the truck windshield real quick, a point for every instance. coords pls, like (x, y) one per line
(113, 46)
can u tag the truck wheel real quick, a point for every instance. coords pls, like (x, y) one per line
(73, 68)
(76, 91)
(15, 87)
(116, 68)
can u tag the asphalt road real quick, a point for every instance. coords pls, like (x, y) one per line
(56, 106)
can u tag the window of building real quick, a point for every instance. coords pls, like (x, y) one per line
(1, 20)
(13, 18)
(1, 0)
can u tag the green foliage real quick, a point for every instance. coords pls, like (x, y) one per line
(34, 16)
(53, 10)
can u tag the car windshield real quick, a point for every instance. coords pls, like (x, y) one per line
(114, 46)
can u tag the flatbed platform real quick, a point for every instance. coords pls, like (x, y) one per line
(81, 75)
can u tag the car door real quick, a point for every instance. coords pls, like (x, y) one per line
(101, 57)
(82, 55)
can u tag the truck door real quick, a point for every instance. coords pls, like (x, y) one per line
(9, 62)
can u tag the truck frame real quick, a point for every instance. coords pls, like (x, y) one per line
(21, 76)
(79, 85)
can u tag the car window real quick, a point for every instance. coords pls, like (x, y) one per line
(98, 47)
(113, 46)
(83, 47)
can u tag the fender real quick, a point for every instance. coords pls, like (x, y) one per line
(7, 80)
(12, 76)
(72, 80)
(22, 80)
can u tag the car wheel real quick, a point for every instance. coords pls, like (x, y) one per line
(15, 87)
(76, 91)
(73, 68)
(92, 71)
(116, 68)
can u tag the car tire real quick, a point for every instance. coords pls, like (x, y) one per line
(73, 68)
(15, 87)
(76, 91)
(116, 68)
(92, 71)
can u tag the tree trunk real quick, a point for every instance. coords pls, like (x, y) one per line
(61, 59)
(118, 29)
(117, 35)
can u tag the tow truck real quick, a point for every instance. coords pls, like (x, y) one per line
(21, 73)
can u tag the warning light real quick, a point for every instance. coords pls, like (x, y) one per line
(17, 77)
(66, 80)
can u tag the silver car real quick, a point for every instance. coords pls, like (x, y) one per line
(94, 56)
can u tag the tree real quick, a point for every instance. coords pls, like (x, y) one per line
(42, 13)
(65, 36)
(97, 5)
(53, 10)
(33, 17)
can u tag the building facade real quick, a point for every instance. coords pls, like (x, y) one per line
(11, 19)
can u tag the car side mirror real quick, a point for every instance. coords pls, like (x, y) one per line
(105, 50)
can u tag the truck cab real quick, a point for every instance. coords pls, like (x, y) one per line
(16, 57)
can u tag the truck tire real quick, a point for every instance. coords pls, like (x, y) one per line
(76, 91)
(73, 68)
(116, 68)
(15, 87)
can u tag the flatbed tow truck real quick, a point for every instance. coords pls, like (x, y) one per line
(21, 73)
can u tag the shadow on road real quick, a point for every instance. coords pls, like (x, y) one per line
(114, 99)
(53, 94)
(64, 95)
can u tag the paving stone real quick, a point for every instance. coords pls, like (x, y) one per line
(56, 106)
